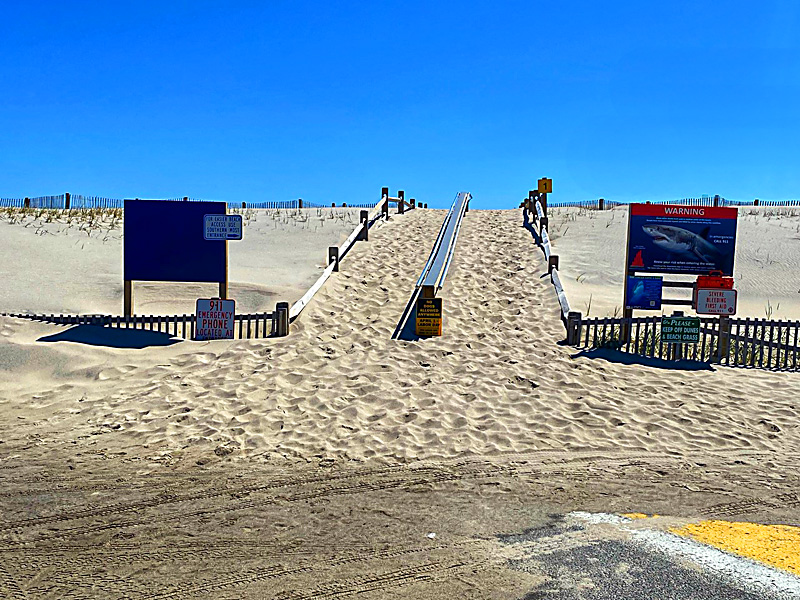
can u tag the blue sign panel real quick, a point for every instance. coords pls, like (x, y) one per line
(644, 292)
(222, 227)
(163, 241)
(695, 240)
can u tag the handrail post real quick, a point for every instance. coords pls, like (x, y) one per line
(552, 263)
(280, 319)
(333, 257)
(364, 218)
(401, 202)
(573, 319)
(385, 205)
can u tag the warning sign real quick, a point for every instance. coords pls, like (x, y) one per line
(214, 319)
(429, 316)
(716, 301)
(680, 330)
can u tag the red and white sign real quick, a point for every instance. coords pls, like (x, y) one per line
(716, 301)
(214, 319)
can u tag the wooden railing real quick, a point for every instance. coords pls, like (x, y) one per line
(535, 219)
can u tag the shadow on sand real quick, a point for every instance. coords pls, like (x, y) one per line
(624, 358)
(111, 337)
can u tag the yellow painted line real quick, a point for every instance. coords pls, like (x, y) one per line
(774, 545)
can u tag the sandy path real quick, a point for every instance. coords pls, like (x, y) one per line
(496, 382)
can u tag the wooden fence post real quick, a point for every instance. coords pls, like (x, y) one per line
(413, 203)
(552, 263)
(401, 202)
(67, 200)
(299, 203)
(601, 204)
(755, 202)
(724, 344)
(333, 257)
(543, 222)
(27, 203)
(127, 303)
(364, 218)
(716, 200)
(281, 319)
(543, 201)
(185, 198)
(244, 204)
(573, 319)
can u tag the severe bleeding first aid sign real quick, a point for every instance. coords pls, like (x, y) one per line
(214, 319)
(716, 302)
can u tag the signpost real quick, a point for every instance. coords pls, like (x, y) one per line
(214, 319)
(680, 330)
(222, 227)
(644, 292)
(429, 317)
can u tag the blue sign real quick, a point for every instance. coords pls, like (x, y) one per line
(644, 292)
(222, 227)
(694, 240)
(163, 241)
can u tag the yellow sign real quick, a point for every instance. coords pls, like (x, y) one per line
(545, 186)
(429, 316)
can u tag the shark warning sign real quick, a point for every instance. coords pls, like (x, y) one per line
(681, 239)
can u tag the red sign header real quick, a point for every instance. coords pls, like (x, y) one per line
(688, 212)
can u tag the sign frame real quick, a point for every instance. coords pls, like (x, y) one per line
(226, 324)
(680, 336)
(630, 302)
(671, 231)
(229, 226)
(702, 297)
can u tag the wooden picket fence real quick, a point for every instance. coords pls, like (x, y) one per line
(603, 204)
(761, 343)
(80, 202)
(246, 326)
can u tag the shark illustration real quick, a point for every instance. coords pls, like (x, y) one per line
(682, 241)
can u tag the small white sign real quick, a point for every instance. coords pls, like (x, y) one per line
(222, 227)
(716, 302)
(214, 319)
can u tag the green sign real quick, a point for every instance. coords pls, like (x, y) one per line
(680, 330)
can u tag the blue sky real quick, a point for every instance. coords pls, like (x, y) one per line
(330, 101)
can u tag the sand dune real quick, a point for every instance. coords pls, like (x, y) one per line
(497, 381)
(70, 268)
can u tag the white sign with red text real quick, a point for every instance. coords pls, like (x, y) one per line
(716, 302)
(214, 319)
